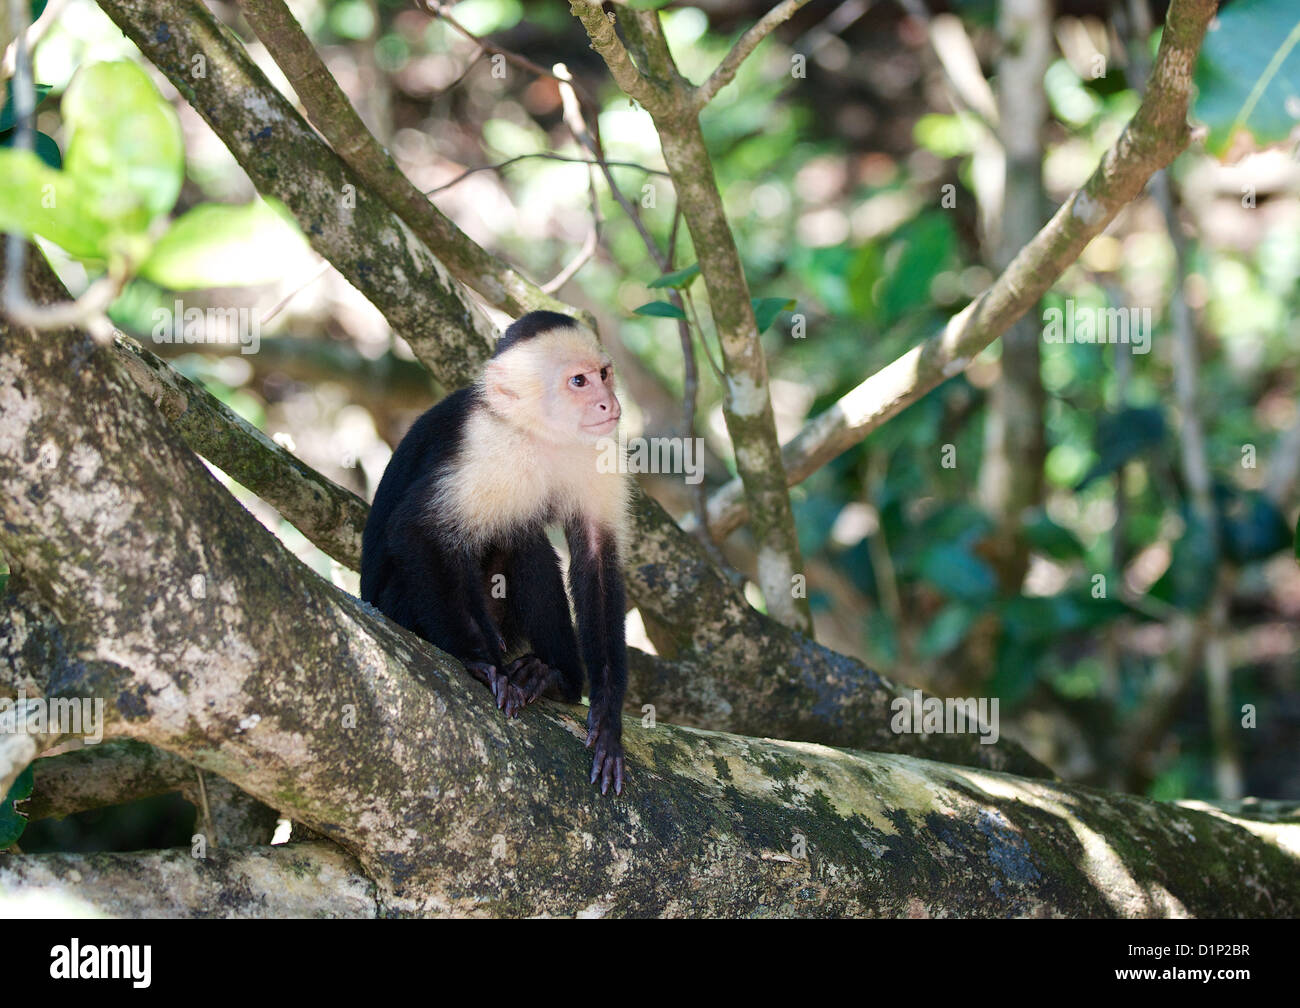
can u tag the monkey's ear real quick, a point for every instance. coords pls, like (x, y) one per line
(496, 381)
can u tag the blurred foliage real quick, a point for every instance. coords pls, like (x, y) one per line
(123, 171)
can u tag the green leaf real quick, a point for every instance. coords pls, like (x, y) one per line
(660, 309)
(1189, 580)
(680, 279)
(1251, 527)
(37, 200)
(218, 245)
(958, 573)
(922, 249)
(12, 822)
(1051, 539)
(125, 151)
(1122, 437)
(46, 149)
(948, 629)
(8, 116)
(767, 309)
(1248, 73)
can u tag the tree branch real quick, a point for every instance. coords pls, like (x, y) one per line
(745, 45)
(96, 776)
(292, 880)
(605, 40)
(747, 406)
(1154, 137)
(327, 514)
(378, 741)
(331, 112)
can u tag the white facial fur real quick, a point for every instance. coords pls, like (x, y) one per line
(530, 456)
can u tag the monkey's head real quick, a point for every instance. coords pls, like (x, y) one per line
(551, 377)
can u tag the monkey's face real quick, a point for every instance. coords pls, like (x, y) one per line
(558, 386)
(592, 398)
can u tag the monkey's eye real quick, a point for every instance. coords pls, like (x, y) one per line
(604, 373)
(578, 381)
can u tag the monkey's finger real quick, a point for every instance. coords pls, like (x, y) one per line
(618, 775)
(542, 678)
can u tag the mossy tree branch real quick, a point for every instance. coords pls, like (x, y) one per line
(386, 746)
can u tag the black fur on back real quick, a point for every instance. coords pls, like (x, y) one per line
(531, 325)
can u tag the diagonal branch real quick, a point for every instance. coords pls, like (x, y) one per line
(496, 282)
(1156, 135)
(327, 514)
(746, 44)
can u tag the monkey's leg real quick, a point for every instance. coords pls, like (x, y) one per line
(537, 610)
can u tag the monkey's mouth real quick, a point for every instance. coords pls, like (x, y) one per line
(606, 425)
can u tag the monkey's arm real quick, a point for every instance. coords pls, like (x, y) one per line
(598, 599)
(537, 610)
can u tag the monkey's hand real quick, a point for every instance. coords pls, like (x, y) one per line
(509, 697)
(529, 678)
(605, 732)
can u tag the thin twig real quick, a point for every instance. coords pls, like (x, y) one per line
(545, 156)
(209, 827)
(580, 260)
(325, 267)
(479, 52)
(443, 12)
(745, 45)
(577, 124)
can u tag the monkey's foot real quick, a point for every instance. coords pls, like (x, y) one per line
(509, 697)
(530, 678)
(605, 733)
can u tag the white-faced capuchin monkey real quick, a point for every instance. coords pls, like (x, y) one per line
(465, 501)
